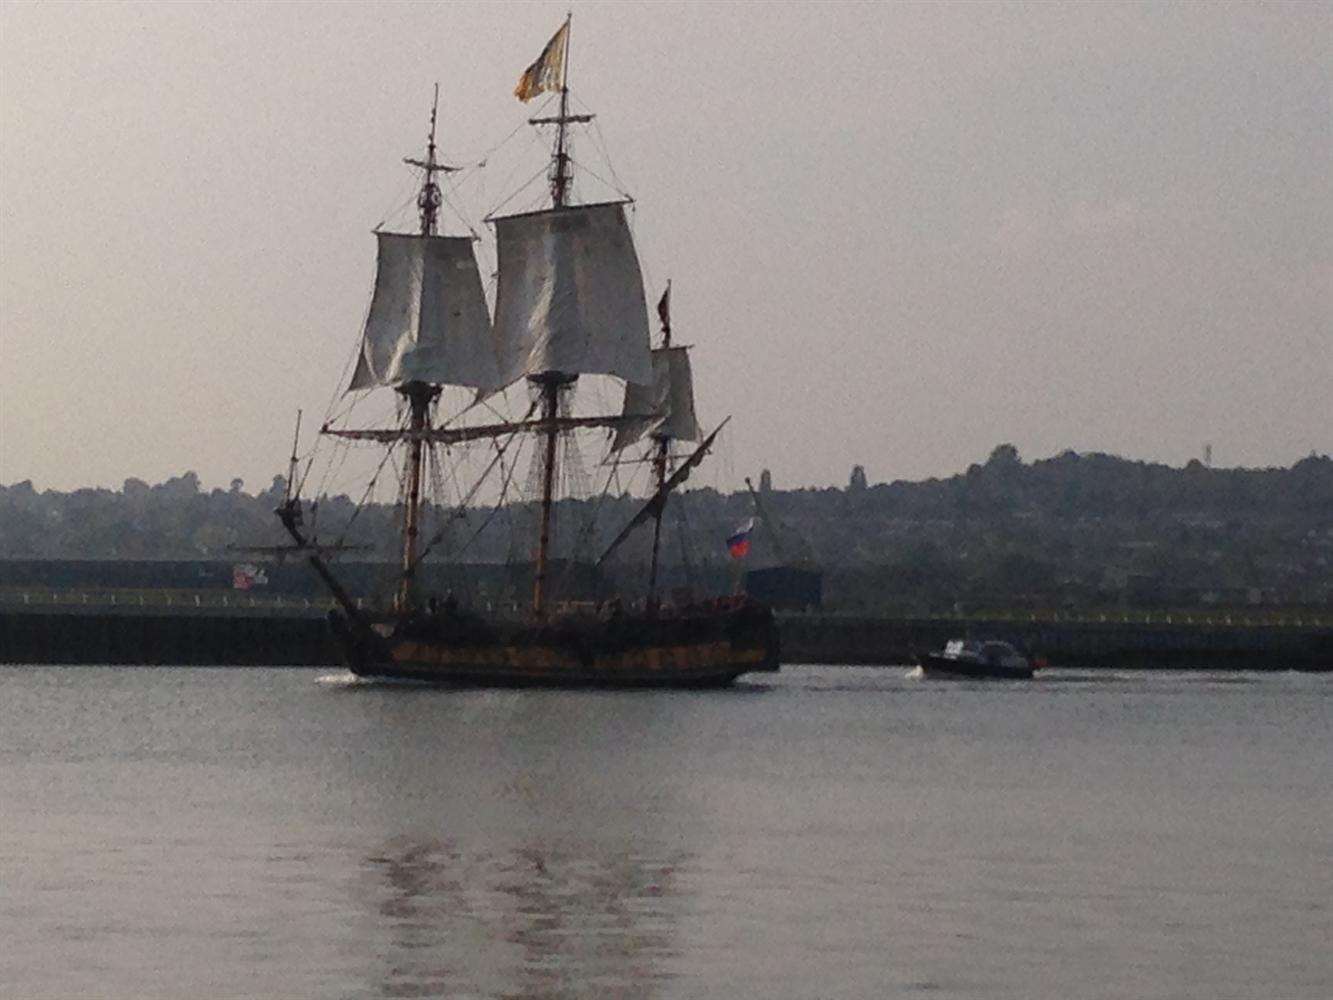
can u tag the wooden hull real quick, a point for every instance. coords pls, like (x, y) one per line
(942, 666)
(709, 648)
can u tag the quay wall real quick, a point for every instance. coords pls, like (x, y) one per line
(1132, 645)
(160, 637)
(298, 636)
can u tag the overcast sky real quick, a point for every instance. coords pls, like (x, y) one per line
(898, 234)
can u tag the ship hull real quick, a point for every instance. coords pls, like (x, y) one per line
(934, 665)
(710, 648)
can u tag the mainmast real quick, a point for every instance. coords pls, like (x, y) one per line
(560, 159)
(419, 395)
(551, 382)
(569, 299)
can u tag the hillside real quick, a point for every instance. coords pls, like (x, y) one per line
(1075, 530)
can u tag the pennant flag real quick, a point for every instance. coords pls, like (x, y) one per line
(548, 72)
(664, 308)
(738, 544)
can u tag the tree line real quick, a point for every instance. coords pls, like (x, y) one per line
(1072, 530)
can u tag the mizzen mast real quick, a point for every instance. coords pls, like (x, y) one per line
(661, 458)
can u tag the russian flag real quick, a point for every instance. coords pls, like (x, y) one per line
(738, 543)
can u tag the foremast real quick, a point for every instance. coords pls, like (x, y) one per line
(428, 326)
(419, 394)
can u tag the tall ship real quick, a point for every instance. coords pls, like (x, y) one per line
(570, 304)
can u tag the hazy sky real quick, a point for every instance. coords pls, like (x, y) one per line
(898, 234)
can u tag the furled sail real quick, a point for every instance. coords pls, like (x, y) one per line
(667, 404)
(570, 295)
(428, 320)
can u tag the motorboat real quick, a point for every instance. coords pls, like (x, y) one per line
(977, 658)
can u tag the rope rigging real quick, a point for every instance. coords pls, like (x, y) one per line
(461, 511)
(442, 474)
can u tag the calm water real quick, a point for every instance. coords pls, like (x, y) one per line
(829, 832)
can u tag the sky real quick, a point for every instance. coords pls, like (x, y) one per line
(898, 234)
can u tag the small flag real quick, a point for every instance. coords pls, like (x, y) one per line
(548, 72)
(247, 575)
(664, 308)
(738, 544)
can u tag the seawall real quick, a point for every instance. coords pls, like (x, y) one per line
(1172, 645)
(290, 636)
(132, 636)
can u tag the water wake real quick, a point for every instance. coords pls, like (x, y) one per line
(344, 678)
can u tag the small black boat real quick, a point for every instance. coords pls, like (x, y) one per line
(977, 658)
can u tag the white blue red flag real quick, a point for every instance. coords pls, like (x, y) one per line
(738, 543)
(247, 575)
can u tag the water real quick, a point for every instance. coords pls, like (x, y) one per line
(828, 832)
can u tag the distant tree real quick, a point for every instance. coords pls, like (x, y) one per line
(181, 487)
(765, 482)
(276, 491)
(857, 483)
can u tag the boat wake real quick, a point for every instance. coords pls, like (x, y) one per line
(348, 680)
(344, 678)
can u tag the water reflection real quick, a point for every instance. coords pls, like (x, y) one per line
(520, 843)
(527, 921)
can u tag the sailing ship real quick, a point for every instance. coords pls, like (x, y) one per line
(569, 302)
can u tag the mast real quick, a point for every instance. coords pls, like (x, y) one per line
(429, 200)
(291, 466)
(569, 299)
(419, 395)
(655, 502)
(549, 382)
(560, 160)
(289, 513)
(660, 464)
(774, 533)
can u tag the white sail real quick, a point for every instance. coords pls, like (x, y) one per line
(428, 320)
(570, 295)
(667, 404)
